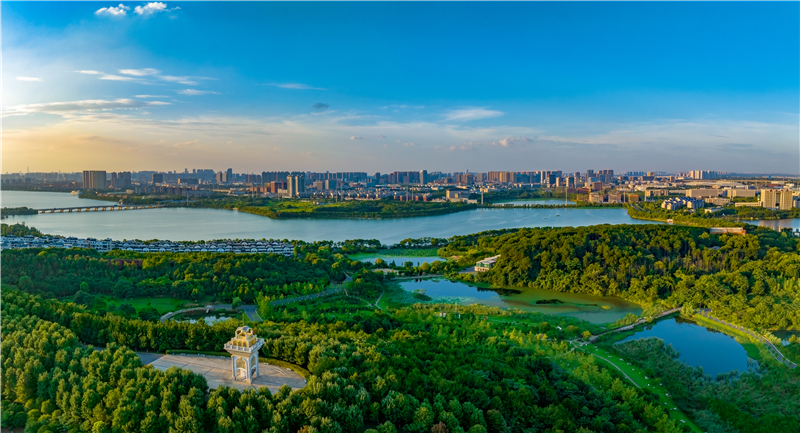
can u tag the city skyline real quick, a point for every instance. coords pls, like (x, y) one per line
(346, 87)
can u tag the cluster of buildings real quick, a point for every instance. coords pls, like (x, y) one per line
(105, 245)
(676, 203)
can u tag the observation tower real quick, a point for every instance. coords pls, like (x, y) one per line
(243, 348)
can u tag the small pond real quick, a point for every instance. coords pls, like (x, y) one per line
(209, 318)
(399, 260)
(698, 346)
(785, 334)
(593, 309)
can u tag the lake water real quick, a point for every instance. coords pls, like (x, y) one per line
(793, 223)
(399, 260)
(698, 346)
(585, 307)
(186, 224)
(535, 201)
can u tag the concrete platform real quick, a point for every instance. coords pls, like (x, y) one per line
(217, 371)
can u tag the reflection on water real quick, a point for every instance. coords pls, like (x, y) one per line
(593, 309)
(209, 319)
(398, 260)
(182, 224)
(698, 346)
(793, 223)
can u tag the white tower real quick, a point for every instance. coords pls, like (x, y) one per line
(243, 348)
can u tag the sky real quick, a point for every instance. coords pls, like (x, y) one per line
(361, 86)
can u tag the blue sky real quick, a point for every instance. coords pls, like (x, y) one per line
(401, 86)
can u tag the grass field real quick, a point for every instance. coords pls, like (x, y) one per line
(162, 304)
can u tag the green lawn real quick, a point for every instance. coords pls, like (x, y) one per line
(637, 376)
(163, 305)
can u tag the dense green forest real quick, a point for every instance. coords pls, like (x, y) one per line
(60, 273)
(417, 372)
(752, 280)
(19, 230)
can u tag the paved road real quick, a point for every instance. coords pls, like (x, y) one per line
(217, 371)
(250, 310)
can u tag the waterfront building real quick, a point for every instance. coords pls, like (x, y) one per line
(94, 179)
(777, 199)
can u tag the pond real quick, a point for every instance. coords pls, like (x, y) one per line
(698, 346)
(399, 260)
(785, 335)
(593, 309)
(209, 318)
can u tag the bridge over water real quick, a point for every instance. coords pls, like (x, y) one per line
(100, 208)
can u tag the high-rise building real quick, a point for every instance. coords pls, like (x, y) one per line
(94, 179)
(296, 184)
(228, 176)
(777, 199)
(121, 180)
(158, 177)
(423, 177)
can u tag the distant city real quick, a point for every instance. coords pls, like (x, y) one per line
(593, 186)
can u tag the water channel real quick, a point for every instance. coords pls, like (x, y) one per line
(698, 346)
(179, 224)
(593, 309)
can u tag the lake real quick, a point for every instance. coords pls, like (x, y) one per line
(187, 224)
(585, 307)
(535, 201)
(698, 346)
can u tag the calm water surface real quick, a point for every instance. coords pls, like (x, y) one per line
(538, 201)
(585, 307)
(399, 260)
(793, 223)
(185, 224)
(698, 346)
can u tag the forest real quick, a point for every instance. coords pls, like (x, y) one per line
(751, 280)
(418, 372)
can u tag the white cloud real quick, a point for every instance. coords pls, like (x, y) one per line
(467, 114)
(296, 86)
(89, 72)
(356, 137)
(511, 141)
(408, 144)
(150, 96)
(112, 11)
(111, 77)
(29, 79)
(379, 136)
(139, 72)
(89, 105)
(195, 92)
(152, 8)
(181, 80)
